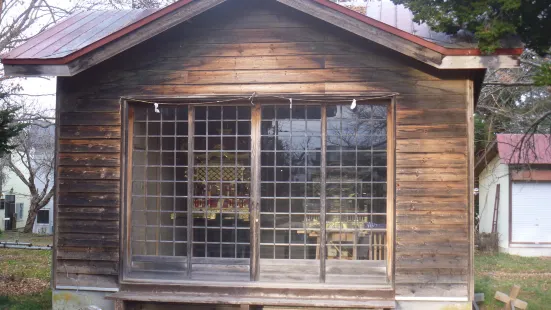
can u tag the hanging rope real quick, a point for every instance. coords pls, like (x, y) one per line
(255, 95)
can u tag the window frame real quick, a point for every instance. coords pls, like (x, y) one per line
(38, 222)
(20, 206)
(126, 181)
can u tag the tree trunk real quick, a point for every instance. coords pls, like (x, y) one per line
(30, 219)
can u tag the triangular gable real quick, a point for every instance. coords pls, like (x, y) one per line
(154, 23)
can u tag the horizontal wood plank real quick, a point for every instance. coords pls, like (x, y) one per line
(90, 159)
(435, 262)
(89, 199)
(87, 240)
(444, 146)
(430, 174)
(351, 88)
(431, 160)
(274, 35)
(90, 132)
(428, 101)
(182, 50)
(89, 186)
(87, 173)
(81, 226)
(90, 146)
(91, 105)
(92, 254)
(85, 280)
(72, 213)
(88, 267)
(430, 130)
(421, 276)
(446, 218)
(82, 118)
(424, 117)
(431, 189)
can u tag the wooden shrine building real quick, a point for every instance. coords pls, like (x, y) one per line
(259, 153)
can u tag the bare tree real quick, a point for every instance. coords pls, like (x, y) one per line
(510, 102)
(33, 163)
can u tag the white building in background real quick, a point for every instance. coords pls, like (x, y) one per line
(515, 194)
(16, 195)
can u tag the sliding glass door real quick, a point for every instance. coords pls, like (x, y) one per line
(274, 194)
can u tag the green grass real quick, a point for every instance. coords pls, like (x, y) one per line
(500, 272)
(24, 279)
(25, 263)
(27, 302)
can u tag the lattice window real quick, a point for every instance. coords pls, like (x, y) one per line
(321, 171)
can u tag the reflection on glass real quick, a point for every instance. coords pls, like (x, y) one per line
(159, 186)
(356, 183)
(290, 182)
(221, 182)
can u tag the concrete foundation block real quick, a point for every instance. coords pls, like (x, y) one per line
(81, 300)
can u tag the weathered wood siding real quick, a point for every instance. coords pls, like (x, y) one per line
(264, 47)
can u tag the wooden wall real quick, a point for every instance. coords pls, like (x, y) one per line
(243, 47)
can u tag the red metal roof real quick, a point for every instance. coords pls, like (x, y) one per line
(84, 32)
(76, 32)
(534, 150)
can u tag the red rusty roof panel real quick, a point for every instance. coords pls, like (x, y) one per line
(45, 35)
(75, 33)
(534, 150)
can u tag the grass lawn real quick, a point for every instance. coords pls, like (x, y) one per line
(498, 272)
(25, 279)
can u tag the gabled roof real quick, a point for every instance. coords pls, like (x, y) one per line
(56, 50)
(513, 149)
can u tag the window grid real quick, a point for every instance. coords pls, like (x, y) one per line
(159, 185)
(222, 173)
(295, 153)
(290, 181)
(355, 229)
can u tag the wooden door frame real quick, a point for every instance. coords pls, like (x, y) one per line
(126, 158)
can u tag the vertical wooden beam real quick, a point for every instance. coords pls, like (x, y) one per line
(58, 104)
(391, 189)
(323, 207)
(190, 163)
(510, 207)
(470, 181)
(255, 193)
(127, 113)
